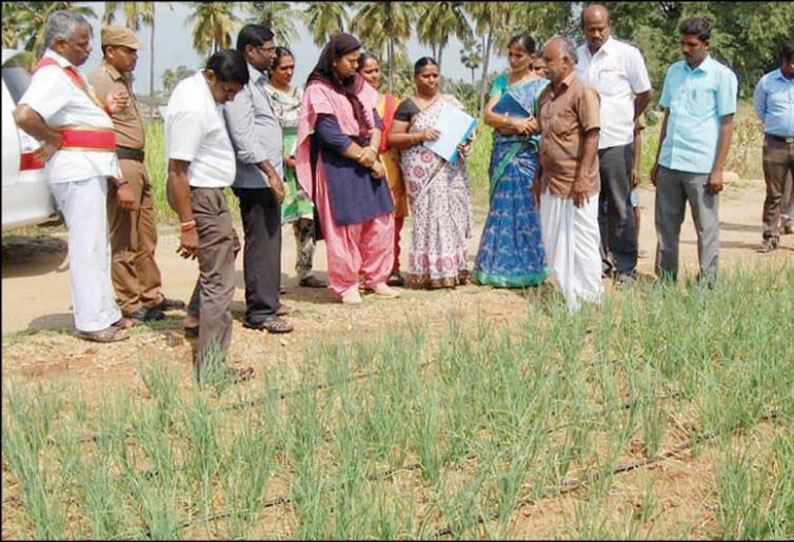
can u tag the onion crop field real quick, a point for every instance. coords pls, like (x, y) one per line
(668, 412)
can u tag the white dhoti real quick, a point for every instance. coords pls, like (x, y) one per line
(571, 239)
(83, 204)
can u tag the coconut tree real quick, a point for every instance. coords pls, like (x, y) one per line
(491, 20)
(471, 55)
(277, 16)
(213, 24)
(169, 81)
(325, 19)
(32, 17)
(11, 11)
(380, 24)
(136, 13)
(437, 21)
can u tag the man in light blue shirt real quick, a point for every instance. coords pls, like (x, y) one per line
(699, 97)
(774, 103)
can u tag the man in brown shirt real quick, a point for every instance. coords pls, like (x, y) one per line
(133, 234)
(569, 181)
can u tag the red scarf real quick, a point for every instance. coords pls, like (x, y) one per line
(71, 72)
(80, 137)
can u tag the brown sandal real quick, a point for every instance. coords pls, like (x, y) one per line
(125, 323)
(395, 280)
(110, 334)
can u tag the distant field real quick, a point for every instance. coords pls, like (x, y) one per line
(744, 158)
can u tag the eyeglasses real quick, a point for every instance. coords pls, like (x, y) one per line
(268, 49)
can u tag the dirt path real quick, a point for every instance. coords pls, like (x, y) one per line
(37, 307)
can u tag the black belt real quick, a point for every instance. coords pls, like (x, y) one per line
(779, 138)
(125, 153)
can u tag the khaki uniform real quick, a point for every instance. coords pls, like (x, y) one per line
(133, 235)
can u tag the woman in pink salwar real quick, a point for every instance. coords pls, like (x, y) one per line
(337, 165)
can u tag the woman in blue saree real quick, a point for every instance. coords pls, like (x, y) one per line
(511, 248)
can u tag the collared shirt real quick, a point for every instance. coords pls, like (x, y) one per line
(60, 102)
(195, 132)
(255, 132)
(696, 100)
(617, 71)
(774, 103)
(566, 115)
(128, 123)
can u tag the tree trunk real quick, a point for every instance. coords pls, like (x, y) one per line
(472, 77)
(440, 54)
(390, 55)
(433, 49)
(151, 67)
(485, 62)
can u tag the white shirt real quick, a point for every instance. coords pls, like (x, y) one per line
(195, 132)
(60, 102)
(617, 71)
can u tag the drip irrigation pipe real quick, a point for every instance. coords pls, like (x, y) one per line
(592, 476)
(242, 405)
(284, 500)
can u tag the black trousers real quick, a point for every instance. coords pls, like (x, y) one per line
(261, 217)
(615, 212)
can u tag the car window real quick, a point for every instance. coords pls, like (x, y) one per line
(17, 79)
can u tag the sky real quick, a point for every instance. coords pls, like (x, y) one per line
(173, 47)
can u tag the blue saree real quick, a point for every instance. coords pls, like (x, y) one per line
(511, 251)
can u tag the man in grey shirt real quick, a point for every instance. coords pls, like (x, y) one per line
(256, 137)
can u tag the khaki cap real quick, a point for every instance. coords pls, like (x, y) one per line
(120, 35)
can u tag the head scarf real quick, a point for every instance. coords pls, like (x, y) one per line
(337, 47)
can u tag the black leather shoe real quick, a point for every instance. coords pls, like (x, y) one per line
(155, 313)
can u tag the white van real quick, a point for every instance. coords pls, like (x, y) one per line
(27, 199)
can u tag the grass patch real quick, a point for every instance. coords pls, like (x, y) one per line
(744, 158)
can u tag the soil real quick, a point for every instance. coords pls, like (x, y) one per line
(39, 347)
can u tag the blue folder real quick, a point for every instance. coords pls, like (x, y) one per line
(512, 107)
(454, 126)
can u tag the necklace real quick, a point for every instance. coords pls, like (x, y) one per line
(513, 79)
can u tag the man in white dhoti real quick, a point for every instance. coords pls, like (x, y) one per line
(61, 110)
(569, 180)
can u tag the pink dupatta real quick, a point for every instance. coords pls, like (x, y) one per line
(321, 99)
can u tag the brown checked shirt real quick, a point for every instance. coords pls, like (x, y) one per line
(566, 115)
(127, 123)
